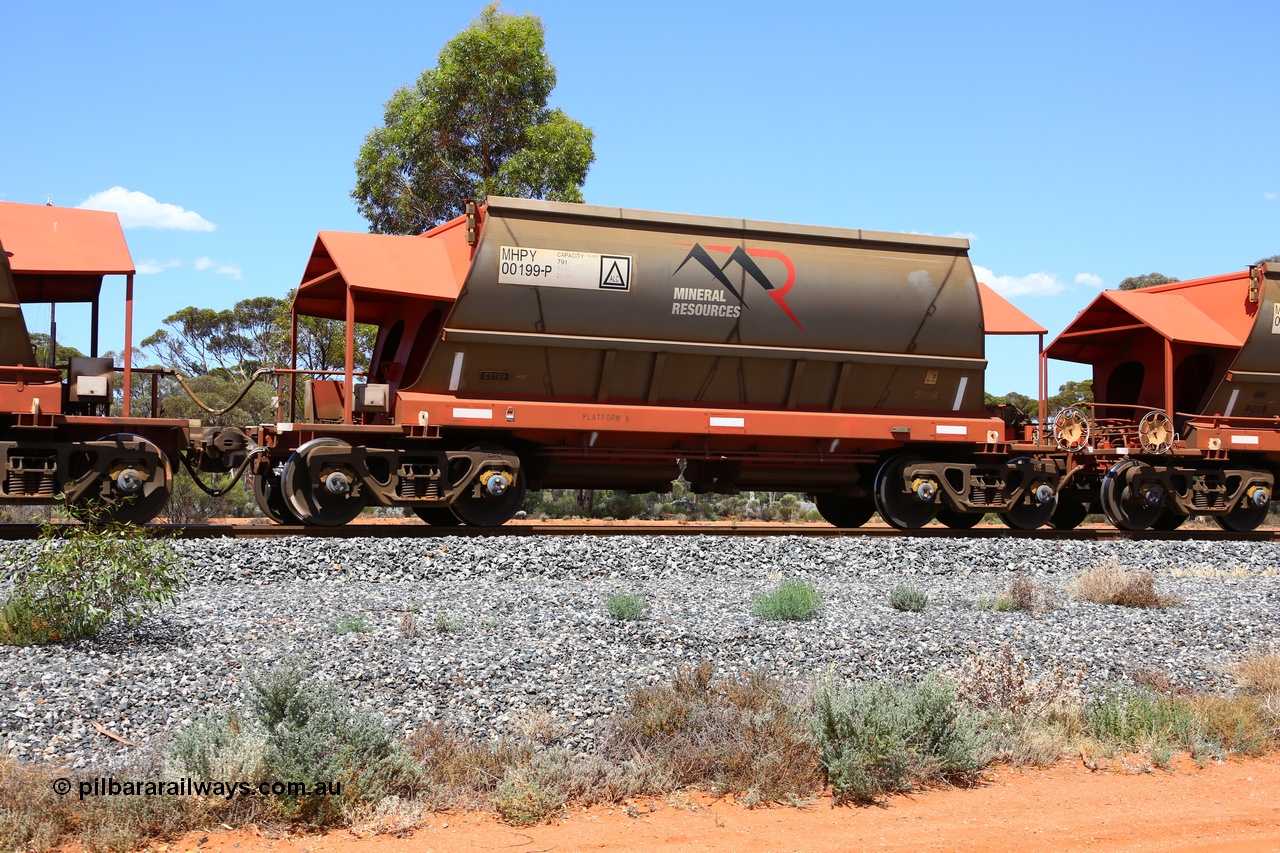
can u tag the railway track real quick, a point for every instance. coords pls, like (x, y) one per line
(414, 530)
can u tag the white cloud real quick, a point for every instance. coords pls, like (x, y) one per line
(139, 210)
(965, 235)
(154, 267)
(1088, 279)
(1034, 284)
(233, 271)
(1271, 196)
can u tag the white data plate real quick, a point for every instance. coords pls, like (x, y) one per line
(561, 268)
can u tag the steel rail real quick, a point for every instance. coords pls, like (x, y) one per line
(417, 530)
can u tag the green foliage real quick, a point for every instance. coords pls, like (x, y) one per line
(793, 600)
(477, 124)
(878, 739)
(75, 584)
(910, 598)
(350, 623)
(294, 729)
(1151, 279)
(188, 503)
(1273, 259)
(446, 624)
(625, 607)
(40, 348)
(1205, 726)
(1069, 394)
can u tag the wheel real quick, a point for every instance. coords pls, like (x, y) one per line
(1068, 514)
(845, 511)
(476, 507)
(308, 496)
(1243, 518)
(436, 516)
(898, 507)
(269, 496)
(1121, 504)
(120, 506)
(959, 520)
(1028, 513)
(1169, 520)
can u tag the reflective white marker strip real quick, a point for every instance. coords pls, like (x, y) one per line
(964, 383)
(834, 445)
(476, 414)
(1244, 439)
(728, 422)
(592, 442)
(948, 429)
(1231, 404)
(456, 376)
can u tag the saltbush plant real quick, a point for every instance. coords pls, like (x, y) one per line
(80, 577)
(793, 600)
(625, 607)
(909, 598)
(297, 729)
(878, 739)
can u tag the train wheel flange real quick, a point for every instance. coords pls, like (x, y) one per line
(1036, 506)
(899, 508)
(317, 502)
(486, 504)
(1249, 513)
(1124, 507)
(269, 495)
(844, 511)
(136, 495)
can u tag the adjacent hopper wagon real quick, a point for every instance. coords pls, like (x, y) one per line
(1186, 418)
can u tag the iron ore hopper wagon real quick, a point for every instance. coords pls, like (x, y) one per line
(533, 344)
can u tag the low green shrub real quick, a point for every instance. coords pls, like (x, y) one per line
(1207, 727)
(446, 624)
(793, 600)
(910, 598)
(297, 730)
(350, 623)
(878, 739)
(79, 580)
(625, 607)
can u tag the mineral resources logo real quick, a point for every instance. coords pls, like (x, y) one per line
(712, 302)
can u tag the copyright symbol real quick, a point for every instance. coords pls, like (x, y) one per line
(62, 786)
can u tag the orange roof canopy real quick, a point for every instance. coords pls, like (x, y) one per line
(1000, 317)
(60, 254)
(1210, 311)
(381, 271)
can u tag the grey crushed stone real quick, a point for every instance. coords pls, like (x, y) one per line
(533, 635)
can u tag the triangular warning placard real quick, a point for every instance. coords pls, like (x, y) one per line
(614, 277)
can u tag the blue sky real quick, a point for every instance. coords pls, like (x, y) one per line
(1075, 144)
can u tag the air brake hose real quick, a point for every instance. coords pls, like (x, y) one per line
(239, 472)
(257, 374)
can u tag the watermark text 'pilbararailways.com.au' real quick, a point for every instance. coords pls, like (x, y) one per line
(109, 786)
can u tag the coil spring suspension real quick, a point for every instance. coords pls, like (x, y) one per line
(418, 481)
(31, 476)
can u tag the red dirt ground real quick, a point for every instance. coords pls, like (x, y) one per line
(1230, 807)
